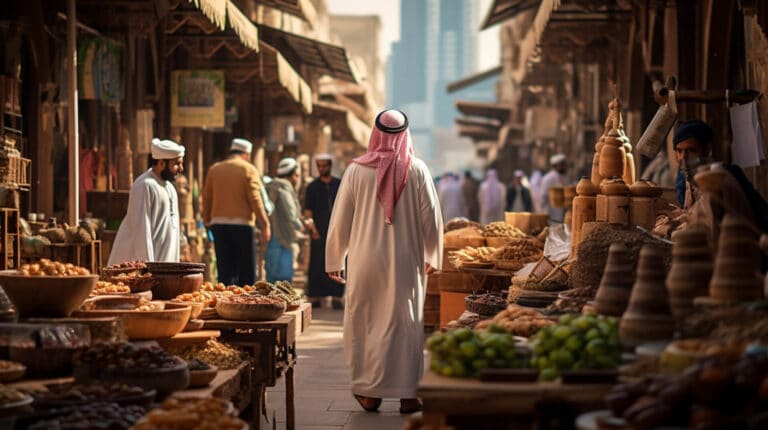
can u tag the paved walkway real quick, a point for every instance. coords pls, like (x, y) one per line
(323, 399)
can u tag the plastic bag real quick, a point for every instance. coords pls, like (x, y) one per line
(558, 244)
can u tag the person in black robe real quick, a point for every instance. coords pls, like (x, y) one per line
(318, 203)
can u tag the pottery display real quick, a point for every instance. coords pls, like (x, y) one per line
(691, 270)
(737, 267)
(616, 284)
(648, 317)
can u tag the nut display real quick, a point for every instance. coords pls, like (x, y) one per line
(502, 229)
(9, 395)
(471, 254)
(191, 414)
(517, 320)
(106, 288)
(46, 267)
(281, 290)
(126, 355)
(523, 250)
(138, 265)
(216, 353)
(251, 300)
(95, 416)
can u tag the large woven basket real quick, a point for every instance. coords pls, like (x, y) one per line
(485, 309)
(175, 268)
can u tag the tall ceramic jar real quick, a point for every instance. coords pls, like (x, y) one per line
(641, 211)
(612, 158)
(583, 210)
(691, 270)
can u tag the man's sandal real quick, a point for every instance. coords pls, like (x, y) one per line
(409, 406)
(370, 404)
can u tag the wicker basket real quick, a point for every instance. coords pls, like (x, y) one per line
(137, 284)
(485, 309)
(509, 264)
(111, 272)
(175, 268)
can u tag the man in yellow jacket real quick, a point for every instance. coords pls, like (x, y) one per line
(231, 202)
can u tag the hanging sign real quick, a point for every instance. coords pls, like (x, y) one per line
(197, 98)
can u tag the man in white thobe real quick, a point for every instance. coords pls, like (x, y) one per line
(150, 229)
(387, 221)
(554, 178)
(451, 198)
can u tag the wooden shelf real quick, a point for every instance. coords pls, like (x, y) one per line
(10, 254)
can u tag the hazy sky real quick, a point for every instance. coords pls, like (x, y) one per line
(389, 11)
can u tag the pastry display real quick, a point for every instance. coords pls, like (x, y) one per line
(46, 267)
(502, 229)
(192, 414)
(471, 255)
(517, 320)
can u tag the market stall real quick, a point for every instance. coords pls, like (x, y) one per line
(642, 315)
(134, 341)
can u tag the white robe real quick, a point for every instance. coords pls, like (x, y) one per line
(150, 229)
(386, 283)
(452, 201)
(551, 179)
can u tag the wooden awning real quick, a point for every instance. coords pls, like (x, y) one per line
(221, 12)
(300, 8)
(502, 10)
(301, 51)
(345, 126)
(479, 133)
(481, 122)
(473, 79)
(499, 111)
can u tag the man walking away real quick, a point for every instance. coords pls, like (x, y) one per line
(387, 221)
(518, 195)
(492, 198)
(285, 222)
(150, 229)
(231, 202)
(318, 203)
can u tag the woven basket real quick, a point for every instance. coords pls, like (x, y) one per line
(509, 264)
(111, 272)
(484, 309)
(175, 268)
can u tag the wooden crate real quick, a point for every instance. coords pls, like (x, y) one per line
(87, 255)
(459, 282)
(452, 305)
(10, 254)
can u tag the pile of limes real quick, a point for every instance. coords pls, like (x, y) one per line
(463, 352)
(576, 343)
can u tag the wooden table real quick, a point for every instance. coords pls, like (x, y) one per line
(451, 401)
(272, 345)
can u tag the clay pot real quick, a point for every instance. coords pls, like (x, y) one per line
(612, 160)
(641, 188)
(648, 317)
(691, 270)
(171, 285)
(614, 187)
(586, 187)
(595, 176)
(616, 284)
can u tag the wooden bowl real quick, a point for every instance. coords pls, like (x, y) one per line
(250, 312)
(201, 378)
(197, 307)
(168, 286)
(13, 373)
(146, 324)
(165, 380)
(46, 296)
(194, 325)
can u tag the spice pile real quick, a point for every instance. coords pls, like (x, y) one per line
(216, 353)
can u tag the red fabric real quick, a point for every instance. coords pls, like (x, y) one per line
(390, 154)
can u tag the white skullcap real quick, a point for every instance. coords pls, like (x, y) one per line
(285, 166)
(557, 159)
(323, 157)
(519, 173)
(166, 149)
(240, 144)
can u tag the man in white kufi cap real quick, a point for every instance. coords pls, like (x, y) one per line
(150, 229)
(386, 234)
(285, 221)
(554, 178)
(233, 198)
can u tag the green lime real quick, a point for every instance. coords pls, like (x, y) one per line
(565, 319)
(548, 374)
(563, 333)
(489, 353)
(510, 354)
(480, 363)
(573, 343)
(596, 347)
(463, 333)
(469, 349)
(593, 333)
(446, 370)
(563, 359)
(582, 323)
(542, 363)
(459, 369)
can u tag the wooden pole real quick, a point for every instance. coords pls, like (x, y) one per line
(72, 114)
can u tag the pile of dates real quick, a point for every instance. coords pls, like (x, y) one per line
(101, 415)
(709, 395)
(126, 355)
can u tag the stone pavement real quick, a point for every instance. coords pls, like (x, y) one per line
(323, 399)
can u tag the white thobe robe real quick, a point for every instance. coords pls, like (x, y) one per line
(386, 282)
(551, 179)
(492, 212)
(452, 201)
(150, 229)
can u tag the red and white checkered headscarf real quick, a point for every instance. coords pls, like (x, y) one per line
(390, 151)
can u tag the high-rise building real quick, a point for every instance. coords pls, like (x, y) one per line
(437, 46)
